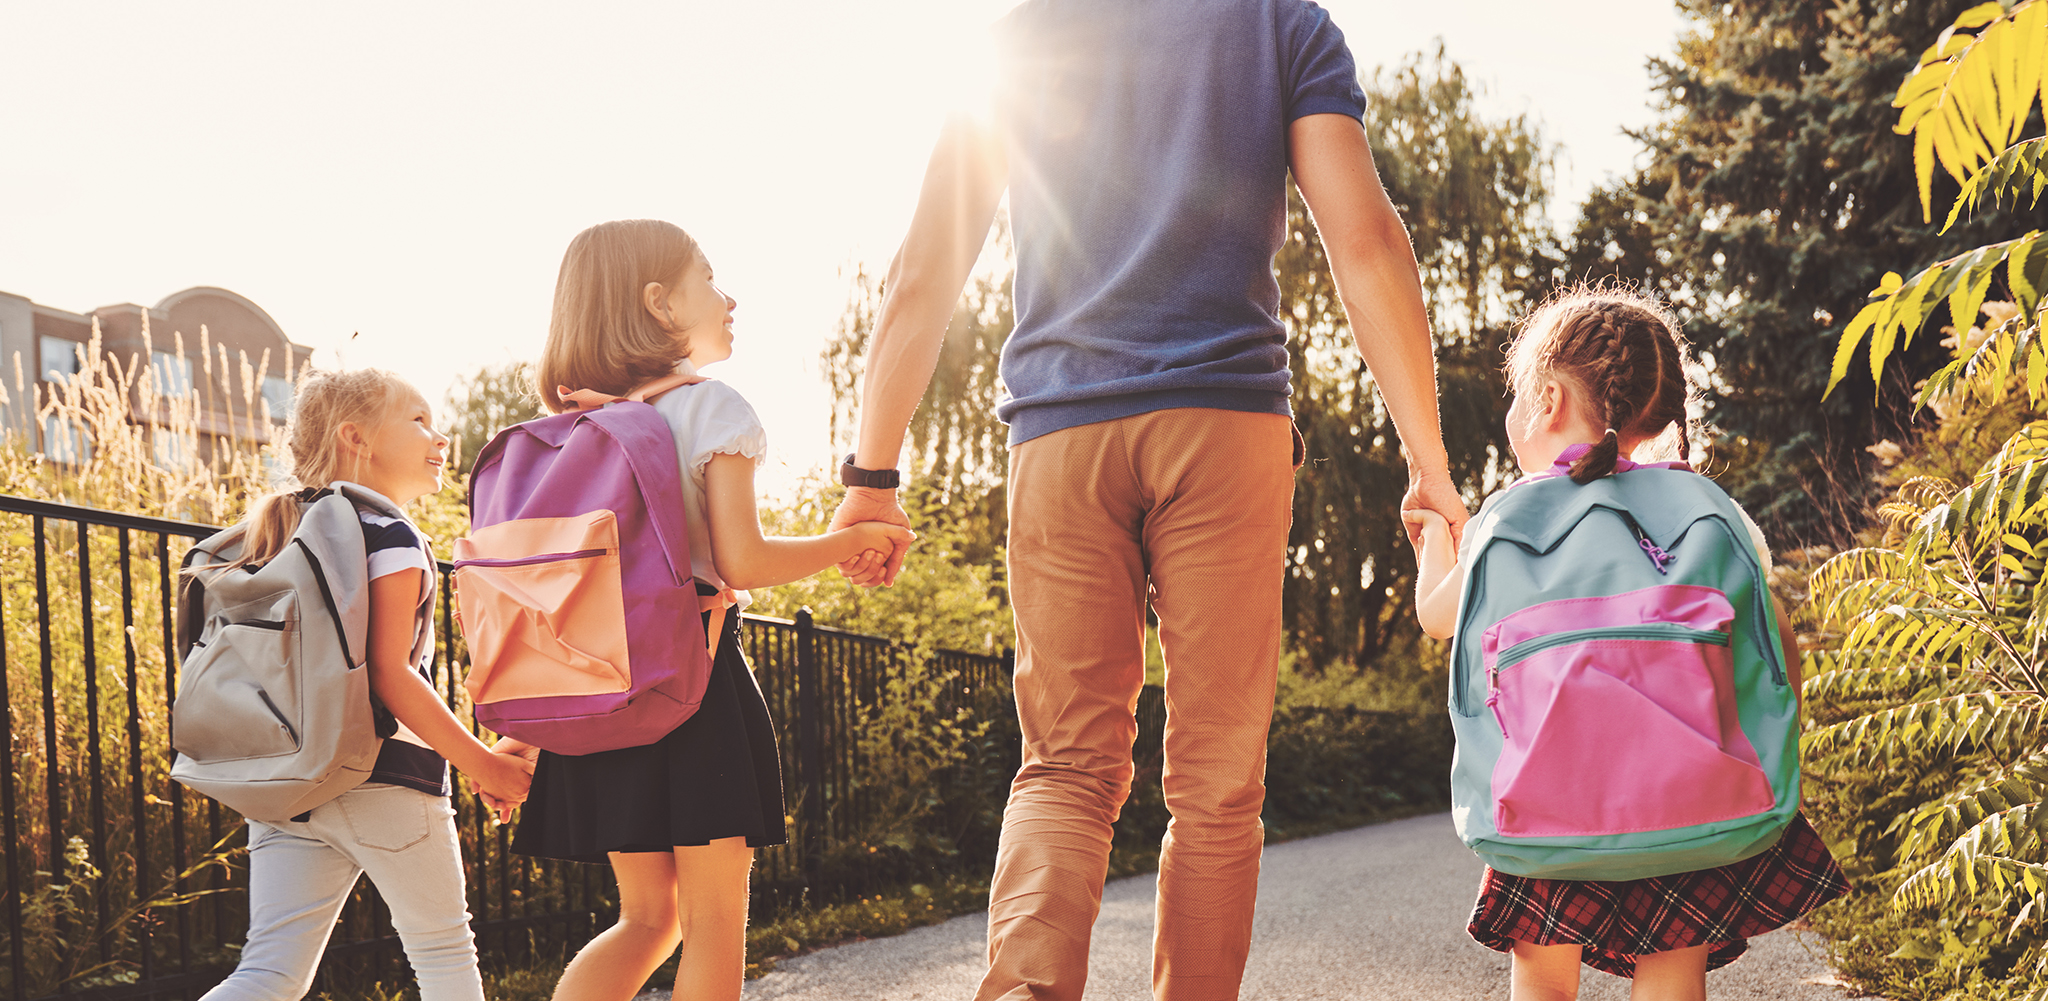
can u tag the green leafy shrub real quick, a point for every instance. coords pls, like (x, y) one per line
(1929, 740)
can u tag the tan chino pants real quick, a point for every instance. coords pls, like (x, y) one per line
(1188, 509)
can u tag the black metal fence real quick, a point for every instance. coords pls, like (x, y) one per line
(114, 887)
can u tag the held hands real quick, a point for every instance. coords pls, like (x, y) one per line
(878, 541)
(1427, 530)
(1438, 578)
(505, 777)
(887, 539)
(1433, 491)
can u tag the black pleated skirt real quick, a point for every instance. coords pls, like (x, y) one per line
(716, 776)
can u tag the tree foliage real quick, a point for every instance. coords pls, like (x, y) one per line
(1771, 189)
(1942, 645)
(482, 404)
(1473, 194)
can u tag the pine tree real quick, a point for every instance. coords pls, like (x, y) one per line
(1774, 192)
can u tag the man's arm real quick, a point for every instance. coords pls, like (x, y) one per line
(962, 184)
(1374, 268)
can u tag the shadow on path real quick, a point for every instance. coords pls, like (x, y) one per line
(1373, 913)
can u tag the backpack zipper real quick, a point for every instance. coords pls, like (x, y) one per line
(1658, 557)
(281, 723)
(1665, 631)
(527, 560)
(1654, 631)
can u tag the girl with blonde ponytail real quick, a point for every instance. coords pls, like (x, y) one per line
(326, 400)
(369, 428)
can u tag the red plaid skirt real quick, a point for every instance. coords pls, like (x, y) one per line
(1618, 921)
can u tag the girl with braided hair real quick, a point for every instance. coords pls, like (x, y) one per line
(1599, 382)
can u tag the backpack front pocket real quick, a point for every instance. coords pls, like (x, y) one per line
(543, 609)
(1618, 714)
(224, 712)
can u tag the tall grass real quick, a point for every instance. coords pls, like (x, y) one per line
(111, 862)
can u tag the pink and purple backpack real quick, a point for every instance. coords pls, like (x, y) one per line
(574, 584)
(1617, 688)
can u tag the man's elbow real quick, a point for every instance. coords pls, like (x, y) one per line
(912, 281)
(1381, 234)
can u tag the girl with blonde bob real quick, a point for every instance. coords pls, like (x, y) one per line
(370, 428)
(677, 819)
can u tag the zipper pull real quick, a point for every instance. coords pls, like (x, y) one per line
(1493, 700)
(1658, 557)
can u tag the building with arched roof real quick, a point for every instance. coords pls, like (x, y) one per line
(39, 344)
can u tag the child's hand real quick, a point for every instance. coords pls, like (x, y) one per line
(865, 565)
(517, 748)
(878, 540)
(867, 504)
(503, 783)
(1426, 528)
(501, 811)
(1438, 578)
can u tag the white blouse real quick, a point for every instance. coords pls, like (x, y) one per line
(709, 418)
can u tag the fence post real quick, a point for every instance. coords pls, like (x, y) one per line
(810, 717)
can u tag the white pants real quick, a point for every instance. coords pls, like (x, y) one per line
(300, 874)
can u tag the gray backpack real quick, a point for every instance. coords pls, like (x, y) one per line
(273, 715)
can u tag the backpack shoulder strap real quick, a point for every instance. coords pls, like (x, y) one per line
(591, 399)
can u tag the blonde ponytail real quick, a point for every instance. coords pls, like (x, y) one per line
(325, 401)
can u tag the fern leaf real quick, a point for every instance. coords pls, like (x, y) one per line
(1925, 727)
(1852, 335)
(1990, 856)
(1970, 93)
(1871, 683)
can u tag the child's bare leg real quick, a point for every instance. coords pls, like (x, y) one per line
(1678, 975)
(711, 909)
(1545, 972)
(616, 964)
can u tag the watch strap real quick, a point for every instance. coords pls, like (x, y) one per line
(880, 479)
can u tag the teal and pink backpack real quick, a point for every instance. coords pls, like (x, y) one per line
(1617, 688)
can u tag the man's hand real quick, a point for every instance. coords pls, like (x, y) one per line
(871, 504)
(1432, 490)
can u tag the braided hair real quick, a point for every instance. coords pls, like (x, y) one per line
(1624, 350)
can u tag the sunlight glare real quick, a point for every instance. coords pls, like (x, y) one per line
(963, 57)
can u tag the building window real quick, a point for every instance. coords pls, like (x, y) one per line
(172, 372)
(65, 442)
(174, 450)
(277, 391)
(59, 358)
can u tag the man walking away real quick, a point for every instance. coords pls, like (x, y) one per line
(1146, 146)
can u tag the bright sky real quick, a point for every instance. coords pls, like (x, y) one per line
(395, 182)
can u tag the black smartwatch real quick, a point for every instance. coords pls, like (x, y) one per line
(854, 476)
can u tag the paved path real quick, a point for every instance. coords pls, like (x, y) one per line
(1377, 912)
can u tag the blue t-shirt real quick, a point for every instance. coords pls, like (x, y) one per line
(1148, 195)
